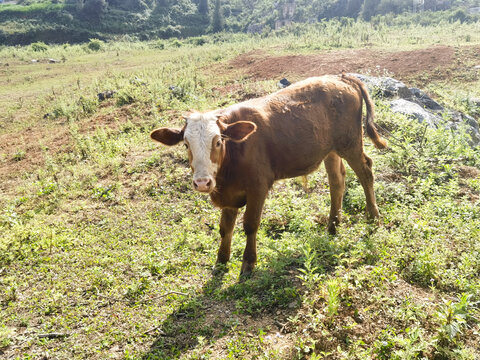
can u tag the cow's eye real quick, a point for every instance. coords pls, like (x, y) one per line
(219, 143)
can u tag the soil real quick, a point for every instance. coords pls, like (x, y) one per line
(434, 63)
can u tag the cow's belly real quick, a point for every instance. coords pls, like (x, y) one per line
(300, 169)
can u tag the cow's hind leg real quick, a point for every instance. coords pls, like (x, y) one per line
(336, 179)
(227, 223)
(362, 165)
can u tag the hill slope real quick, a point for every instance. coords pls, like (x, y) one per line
(77, 21)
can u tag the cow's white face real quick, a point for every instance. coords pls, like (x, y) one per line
(203, 139)
(204, 135)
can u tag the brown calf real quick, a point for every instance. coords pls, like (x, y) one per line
(237, 153)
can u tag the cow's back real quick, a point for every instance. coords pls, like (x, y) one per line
(298, 126)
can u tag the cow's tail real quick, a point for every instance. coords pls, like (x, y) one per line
(370, 125)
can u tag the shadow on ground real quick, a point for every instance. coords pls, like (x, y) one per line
(265, 301)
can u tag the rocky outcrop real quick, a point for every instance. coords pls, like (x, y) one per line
(416, 104)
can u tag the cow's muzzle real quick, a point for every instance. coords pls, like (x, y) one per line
(204, 184)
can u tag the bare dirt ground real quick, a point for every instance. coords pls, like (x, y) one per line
(434, 63)
(416, 67)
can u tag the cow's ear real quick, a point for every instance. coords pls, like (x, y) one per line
(167, 136)
(239, 131)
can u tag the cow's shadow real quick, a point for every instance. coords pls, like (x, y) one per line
(273, 289)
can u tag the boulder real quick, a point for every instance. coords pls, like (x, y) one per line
(106, 95)
(424, 100)
(457, 118)
(415, 111)
(386, 86)
(416, 104)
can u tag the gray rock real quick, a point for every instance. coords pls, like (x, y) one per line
(424, 100)
(456, 119)
(415, 111)
(106, 95)
(283, 83)
(416, 104)
(392, 88)
(387, 86)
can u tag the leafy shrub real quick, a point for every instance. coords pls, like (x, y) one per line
(88, 106)
(159, 44)
(198, 41)
(95, 44)
(458, 15)
(39, 46)
(175, 43)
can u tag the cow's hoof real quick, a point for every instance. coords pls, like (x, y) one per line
(246, 270)
(219, 269)
(245, 276)
(332, 229)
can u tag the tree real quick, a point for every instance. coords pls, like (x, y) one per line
(203, 7)
(217, 18)
(369, 8)
(94, 9)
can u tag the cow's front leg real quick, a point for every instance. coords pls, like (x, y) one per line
(251, 222)
(227, 223)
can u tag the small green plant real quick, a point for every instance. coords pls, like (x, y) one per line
(384, 345)
(87, 105)
(47, 189)
(104, 193)
(19, 155)
(333, 297)
(311, 275)
(5, 337)
(305, 346)
(138, 288)
(159, 44)
(10, 293)
(452, 318)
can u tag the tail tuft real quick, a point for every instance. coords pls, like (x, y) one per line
(374, 136)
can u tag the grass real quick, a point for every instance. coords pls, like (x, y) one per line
(106, 252)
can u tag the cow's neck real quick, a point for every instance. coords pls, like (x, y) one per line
(227, 192)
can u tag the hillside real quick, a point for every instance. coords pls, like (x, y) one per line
(106, 251)
(76, 21)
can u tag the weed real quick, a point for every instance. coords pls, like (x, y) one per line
(452, 318)
(19, 155)
(5, 337)
(104, 193)
(311, 276)
(333, 297)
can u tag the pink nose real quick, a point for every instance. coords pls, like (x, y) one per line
(202, 184)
